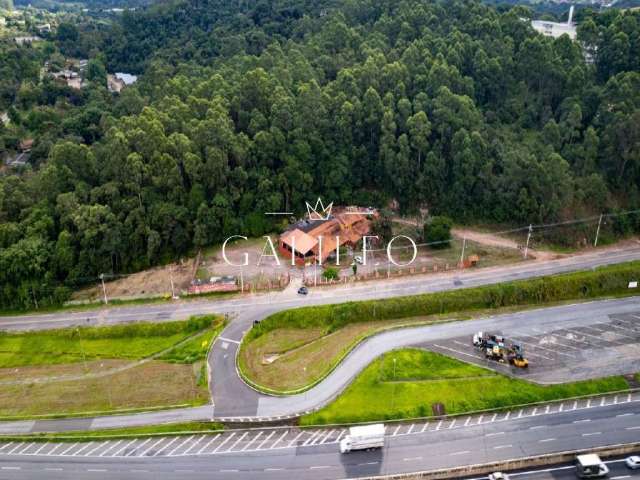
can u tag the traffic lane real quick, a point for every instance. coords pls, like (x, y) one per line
(617, 471)
(408, 286)
(402, 454)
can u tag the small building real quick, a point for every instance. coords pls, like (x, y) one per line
(25, 145)
(44, 28)
(117, 81)
(314, 239)
(556, 29)
(18, 160)
(26, 40)
(4, 118)
(69, 77)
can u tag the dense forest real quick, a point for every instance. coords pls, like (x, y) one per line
(246, 107)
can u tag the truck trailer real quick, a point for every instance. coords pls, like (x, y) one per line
(590, 466)
(363, 437)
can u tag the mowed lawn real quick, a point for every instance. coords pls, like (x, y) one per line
(423, 378)
(99, 369)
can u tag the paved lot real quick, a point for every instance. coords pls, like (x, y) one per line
(561, 354)
(288, 438)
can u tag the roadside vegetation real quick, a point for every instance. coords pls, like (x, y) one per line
(419, 379)
(294, 349)
(102, 369)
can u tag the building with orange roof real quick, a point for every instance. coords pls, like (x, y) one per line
(317, 239)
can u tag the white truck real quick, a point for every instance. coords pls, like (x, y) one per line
(590, 466)
(363, 438)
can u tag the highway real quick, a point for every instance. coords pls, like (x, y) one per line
(416, 451)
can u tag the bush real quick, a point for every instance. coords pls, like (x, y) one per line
(603, 281)
(438, 229)
(330, 273)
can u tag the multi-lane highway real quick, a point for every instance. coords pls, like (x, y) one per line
(410, 447)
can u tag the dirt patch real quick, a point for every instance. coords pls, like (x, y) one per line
(492, 240)
(68, 369)
(150, 385)
(153, 282)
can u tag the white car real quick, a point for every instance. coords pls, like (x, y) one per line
(358, 259)
(633, 462)
(498, 476)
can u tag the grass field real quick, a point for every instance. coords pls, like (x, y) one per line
(69, 345)
(288, 359)
(100, 369)
(423, 378)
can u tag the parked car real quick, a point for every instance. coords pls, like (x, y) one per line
(633, 462)
(303, 290)
(359, 260)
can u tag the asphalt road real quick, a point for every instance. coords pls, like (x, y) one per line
(486, 442)
(232, 398)
(262, 304)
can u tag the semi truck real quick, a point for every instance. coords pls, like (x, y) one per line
(363, 437)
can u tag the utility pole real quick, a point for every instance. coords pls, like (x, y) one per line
(595, 243)
(241, 281)
(173, 292)
(526, 248)
(104, 289)
(315, 273)
(464, 244)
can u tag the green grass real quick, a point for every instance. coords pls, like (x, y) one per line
(194, 349)
(70, 345)
(111, 434)
(423, 378)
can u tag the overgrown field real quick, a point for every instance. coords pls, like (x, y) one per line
(91, 369)
(423, 378)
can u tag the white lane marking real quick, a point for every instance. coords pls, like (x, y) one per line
(411, 459)
(246, 447)
(582, 421)
(413, 425)
(265, 440)
(25, 449)
(53, 469)
(463, 452)
(536, 427)
(324, 439)
(233, 434)
(456, 351)
(591, 434)
(317, 467)
(546, 440)
(535, 410)
(154, 445)
(308, 440)
(467, 422)
(480, 419)
(450, 426)
(6, 445)
(207, 444)
(284, 434)
(498, 447)
(229, 340)
(110, 448)
(519, 414)
(494, 434)
(368, 463)
(41, 448)
(273, 469)
(96, 469)
(54, 449)
(619, 477)
(165, 447)
(426, 425)
(493, 419)
(624, 414)
(633, 428)
(295, 439)
(195, 444)
(68, 449)
(506, 417)
(395, 432)
(10, 468)
(237, 442)
(180, 445)
(439, 424)
(124, 448)
(228, 470)
(82, 449)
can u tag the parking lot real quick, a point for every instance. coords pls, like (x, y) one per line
(562, 354)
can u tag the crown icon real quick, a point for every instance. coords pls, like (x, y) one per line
(323, 214)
